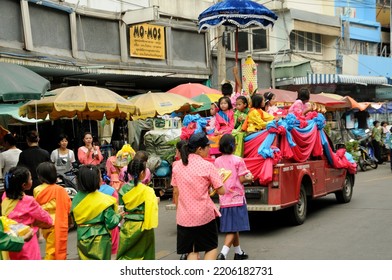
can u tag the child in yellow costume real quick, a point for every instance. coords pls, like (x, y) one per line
(137, 238)
(95, 214)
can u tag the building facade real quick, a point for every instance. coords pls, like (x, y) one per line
(333, 46)
(106, 43)
(127, 46)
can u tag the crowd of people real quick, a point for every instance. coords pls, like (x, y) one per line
(117, 220)
(34, 200)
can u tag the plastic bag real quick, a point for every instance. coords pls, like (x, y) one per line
(124, 156)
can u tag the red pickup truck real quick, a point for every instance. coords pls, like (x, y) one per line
(293, 184)
(305, 167)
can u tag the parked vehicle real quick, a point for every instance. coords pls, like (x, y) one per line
(367, 157)
(68, 181)
(161, 179)
(293, 183)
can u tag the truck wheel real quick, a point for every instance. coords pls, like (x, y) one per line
(297, 213)
(344, 195)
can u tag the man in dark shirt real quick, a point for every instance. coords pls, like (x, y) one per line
(32, 157)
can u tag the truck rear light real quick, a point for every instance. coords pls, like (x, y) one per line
(275, 178)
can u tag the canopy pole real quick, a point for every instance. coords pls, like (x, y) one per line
(36, 116)
(236, 56)
(73, 128)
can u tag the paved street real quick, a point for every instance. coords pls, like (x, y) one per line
(359, 230)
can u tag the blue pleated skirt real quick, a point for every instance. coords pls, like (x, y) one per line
(234, 219)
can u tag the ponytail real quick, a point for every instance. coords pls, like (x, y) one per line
(135, 167)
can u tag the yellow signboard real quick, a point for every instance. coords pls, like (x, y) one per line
(147, 41)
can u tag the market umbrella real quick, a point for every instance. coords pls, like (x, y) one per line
(19, 83)
(151, 104)
(191, 90)
(237, 13)
(83, 102)
(285, 98)
(348, 102)
(206, 100)
(282, 97)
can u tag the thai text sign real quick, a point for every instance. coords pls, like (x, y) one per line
(147, 41)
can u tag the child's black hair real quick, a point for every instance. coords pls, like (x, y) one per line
(142, 155)
(89, 178)
(135, 167)
(303, 94)
(244, 100)
(257, 101)
(227, 144)
(14, 180)
(47, 172)
(227, 100)
(227, 89)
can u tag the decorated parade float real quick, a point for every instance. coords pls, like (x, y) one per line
(292, 160)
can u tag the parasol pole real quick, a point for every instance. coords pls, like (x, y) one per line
(236, 56)
(36, 116)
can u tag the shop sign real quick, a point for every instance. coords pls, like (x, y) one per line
(384, 93)
(147, 41)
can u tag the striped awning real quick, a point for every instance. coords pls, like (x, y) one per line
(312, 79)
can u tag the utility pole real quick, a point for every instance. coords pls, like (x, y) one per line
(221, 57)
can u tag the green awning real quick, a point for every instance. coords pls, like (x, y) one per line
(12, 110)
(292, 69)
(17, 83)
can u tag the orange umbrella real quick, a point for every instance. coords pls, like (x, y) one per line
(191, 90)
(348, 102)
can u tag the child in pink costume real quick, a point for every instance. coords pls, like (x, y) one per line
(24, 209)
(233, 204)
(224, 123)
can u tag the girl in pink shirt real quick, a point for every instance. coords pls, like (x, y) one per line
(301, 106)
(24, 209)
(192, 177)
(224, 118)
(233, 204)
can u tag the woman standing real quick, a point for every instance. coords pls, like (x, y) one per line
(62, 157)
(9, 158)
(89, 153)
(196, 212)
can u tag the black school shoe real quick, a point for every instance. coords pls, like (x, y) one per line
(184, 257)
(242, 256)
(221, 257)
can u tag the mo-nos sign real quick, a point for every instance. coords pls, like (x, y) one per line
(147, 41)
